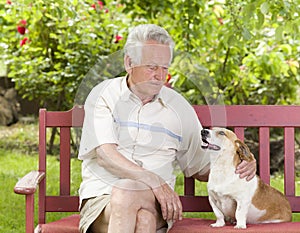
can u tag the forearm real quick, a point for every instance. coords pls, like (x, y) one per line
(118, 165)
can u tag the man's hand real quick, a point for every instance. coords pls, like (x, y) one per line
(169, 201)
(246, 169)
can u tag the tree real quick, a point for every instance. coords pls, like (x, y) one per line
(243, 51)
(50, 45)
(232, 52)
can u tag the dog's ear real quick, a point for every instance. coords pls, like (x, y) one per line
(243, 151)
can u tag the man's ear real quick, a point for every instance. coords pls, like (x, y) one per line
(127, 64)
(243, 151)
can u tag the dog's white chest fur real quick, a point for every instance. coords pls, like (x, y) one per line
(226, 189)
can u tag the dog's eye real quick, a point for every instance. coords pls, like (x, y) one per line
(222, 133)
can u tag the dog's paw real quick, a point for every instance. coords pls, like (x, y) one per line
(240, 226)
(217, 224)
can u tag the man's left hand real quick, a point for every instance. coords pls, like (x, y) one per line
(246, 169)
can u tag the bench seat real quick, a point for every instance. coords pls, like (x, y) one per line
(197, 225)
(187, 225)
(68, 224)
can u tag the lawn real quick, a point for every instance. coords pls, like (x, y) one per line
(18, 155)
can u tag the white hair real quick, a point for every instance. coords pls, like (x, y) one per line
(140, 35)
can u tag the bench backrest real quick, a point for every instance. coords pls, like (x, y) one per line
(238, 117)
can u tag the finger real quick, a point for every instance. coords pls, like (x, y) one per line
(252, 174)
(245, 166)
(175, 212)
(177, 209)
(242, 165)
(164, 210)
(167, 212)
(248, 178)
(180, 209)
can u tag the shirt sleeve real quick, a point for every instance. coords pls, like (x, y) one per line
(191, 157)
(98, 126)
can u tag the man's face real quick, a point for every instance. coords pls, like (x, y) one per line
(148, 77)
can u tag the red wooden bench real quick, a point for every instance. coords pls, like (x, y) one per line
(238, 117)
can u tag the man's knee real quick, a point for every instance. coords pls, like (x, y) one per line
(127, 194)
(145, 221)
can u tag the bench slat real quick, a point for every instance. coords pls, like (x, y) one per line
(289, 161)
(248, 115)
(264, 149)
(65, 166)
(189, 186)
(71, 118)
(240, 132)
(62, 203)
(195, 203)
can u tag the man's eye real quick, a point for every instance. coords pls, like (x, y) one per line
(152, 67)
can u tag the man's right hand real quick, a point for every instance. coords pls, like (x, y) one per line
(170, 203)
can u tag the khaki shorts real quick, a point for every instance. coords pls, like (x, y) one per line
(91, 209)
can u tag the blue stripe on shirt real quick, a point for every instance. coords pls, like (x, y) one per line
(149, 128)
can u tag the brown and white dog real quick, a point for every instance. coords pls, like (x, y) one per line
(233, 198)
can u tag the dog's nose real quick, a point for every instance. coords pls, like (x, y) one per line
(204, 133)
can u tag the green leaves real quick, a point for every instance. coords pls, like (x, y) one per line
(65, 39)
(235, 49)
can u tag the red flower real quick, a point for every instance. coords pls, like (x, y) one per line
(21, 26)
(220, 21)
(167, 83)
(117, 39)
(22, 42)
(23, 22)
(8, 2)
(100, 3)
(21, 30)
(168, 78)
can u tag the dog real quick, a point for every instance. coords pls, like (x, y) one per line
(235, 199)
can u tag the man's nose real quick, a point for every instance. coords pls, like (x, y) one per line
(160, 73)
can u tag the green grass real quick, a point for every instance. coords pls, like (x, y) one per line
(18, 156)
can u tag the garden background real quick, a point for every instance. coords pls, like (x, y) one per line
(231, 52)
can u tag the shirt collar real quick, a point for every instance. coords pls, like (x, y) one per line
(126, 93)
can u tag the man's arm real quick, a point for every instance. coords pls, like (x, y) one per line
(118, 165)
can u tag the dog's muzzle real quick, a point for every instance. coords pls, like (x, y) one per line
(205, 134)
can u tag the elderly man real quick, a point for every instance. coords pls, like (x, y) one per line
(136, 133)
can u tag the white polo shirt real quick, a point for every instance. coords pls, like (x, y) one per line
(157, 136)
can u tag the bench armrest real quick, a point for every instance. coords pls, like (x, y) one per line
(28, 184)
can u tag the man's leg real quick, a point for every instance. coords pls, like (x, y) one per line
(145, 222)
(133, 207)
(100, 225)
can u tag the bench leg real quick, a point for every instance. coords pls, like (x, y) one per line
(30, 213)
